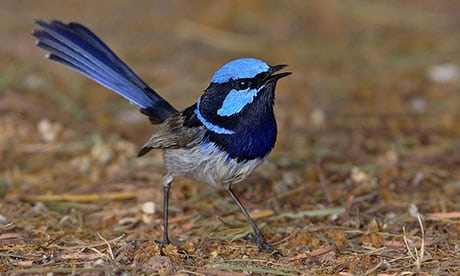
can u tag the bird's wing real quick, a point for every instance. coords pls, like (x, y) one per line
(174, 133)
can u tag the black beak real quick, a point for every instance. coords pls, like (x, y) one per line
(275, 77)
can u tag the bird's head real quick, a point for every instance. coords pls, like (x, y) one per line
(241, 92)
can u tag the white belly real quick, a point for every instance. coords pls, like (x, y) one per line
(207, 164)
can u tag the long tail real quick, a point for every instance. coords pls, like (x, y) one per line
(77, 47)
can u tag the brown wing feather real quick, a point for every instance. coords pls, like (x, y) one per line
(173, 134)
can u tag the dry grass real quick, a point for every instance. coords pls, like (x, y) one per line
(364, 179)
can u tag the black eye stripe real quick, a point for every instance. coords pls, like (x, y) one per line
(243, 84)
(252, 83)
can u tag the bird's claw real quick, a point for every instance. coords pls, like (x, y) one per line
(163, 243)
(263, 245)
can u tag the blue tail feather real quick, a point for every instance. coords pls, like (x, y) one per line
(80, 49)
(87, 34)
(67, 56)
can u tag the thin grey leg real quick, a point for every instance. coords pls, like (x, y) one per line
(167, 180)
(258, 237)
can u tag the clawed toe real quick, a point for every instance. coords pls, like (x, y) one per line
(273, 251)
(163, 243)
(263, 245)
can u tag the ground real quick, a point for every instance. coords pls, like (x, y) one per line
(363, 180)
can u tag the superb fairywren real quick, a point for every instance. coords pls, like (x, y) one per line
(219, 140)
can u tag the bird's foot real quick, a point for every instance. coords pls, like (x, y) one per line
(163, 243)
(263, 245)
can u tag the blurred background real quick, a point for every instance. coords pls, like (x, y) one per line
(372, 111)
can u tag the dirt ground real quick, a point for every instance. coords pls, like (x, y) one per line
(363, 180)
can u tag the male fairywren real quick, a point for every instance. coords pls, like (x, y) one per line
(219, 140)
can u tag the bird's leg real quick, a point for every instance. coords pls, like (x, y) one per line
(167, 180)
(257, 237)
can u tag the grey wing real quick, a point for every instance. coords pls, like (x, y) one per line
(173, 134)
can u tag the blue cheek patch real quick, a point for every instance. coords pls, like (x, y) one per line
(210, 126)
(236, 100)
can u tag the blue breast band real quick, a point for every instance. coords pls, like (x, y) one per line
(210, 126)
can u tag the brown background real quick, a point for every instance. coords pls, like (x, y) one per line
(364, 126)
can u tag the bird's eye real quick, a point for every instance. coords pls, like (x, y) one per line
(243, 84)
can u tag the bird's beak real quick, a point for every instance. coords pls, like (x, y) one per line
(275, 77)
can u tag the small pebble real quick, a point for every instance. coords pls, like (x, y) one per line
(33, 82)
(127, 221)
(99, 262)
(317, 117)
(39, 207)
(3, 219)
(413, 210)
(333, 217)
(101, 152)
(149, 208)
(48, 130)
(418, 178)
(419, 104)
(358, 176)
(147, 219)
(443, 73)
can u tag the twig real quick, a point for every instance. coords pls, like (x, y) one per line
(181, 218)
(13, 256)
(95, 250)
(418, 257)
(109, 248)
(314, 253)
(422, 248)
(220, 272)
(189, 272)
(372, 270)
(428, 242)
(43, 270)
(7, 227)
(79, 256)
(97, 244)
(7, 236)
(309, 213)
(323, 250)
(323, 182)
(285, 239)
(256, 270)
(444, 215)
(407, 244)
(221, 220)
(364, 198)
(84, 198)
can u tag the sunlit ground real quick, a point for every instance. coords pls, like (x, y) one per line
(364, 177)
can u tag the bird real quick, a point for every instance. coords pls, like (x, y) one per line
(219, 140)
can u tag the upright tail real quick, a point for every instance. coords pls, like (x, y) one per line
(77, 47)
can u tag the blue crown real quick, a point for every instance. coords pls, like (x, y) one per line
(242, 68)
